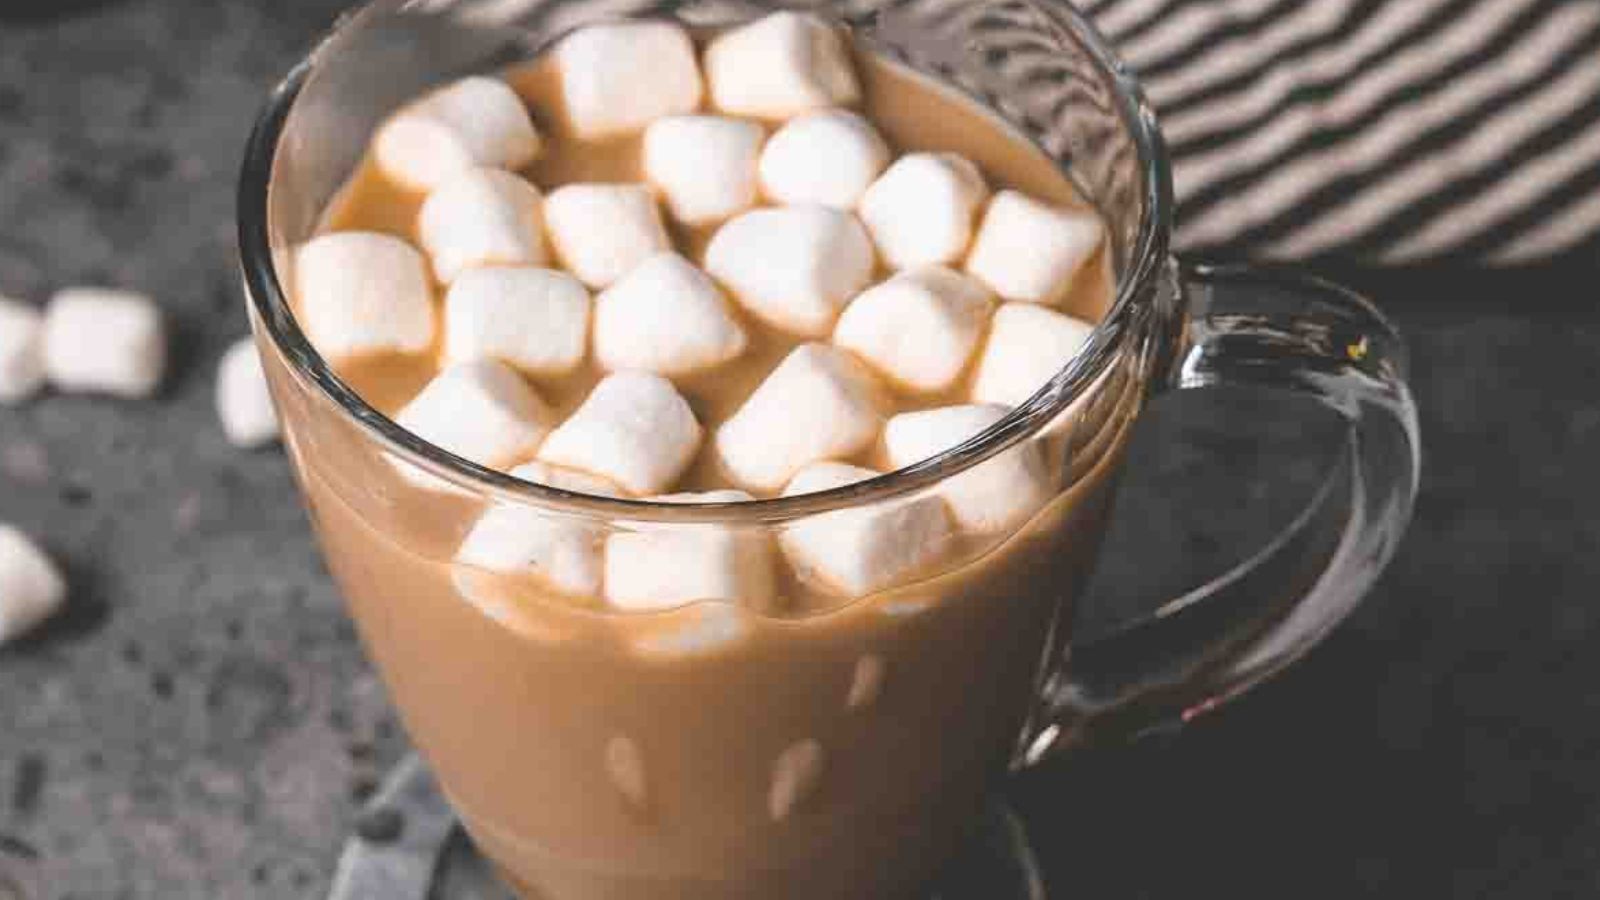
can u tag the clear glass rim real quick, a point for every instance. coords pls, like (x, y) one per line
(1116, 332)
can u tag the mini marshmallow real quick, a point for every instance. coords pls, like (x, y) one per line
(662, 566)
(243, 403)
(21, 352)
(665, 316)
(31, 587)
(827, 158)
(534, 320)
(778, 66)
(705, 166)
(689, 632)
(601, 231)
(994, 496)
(634, 428)
(481, 217)
(564, 550)
(104, 341)
(793, 267)
(919, 328)
(819, 403)
(1028, 250)
(476, 121)
(620, 77)
(1028, 344)
(920, 211)
(481, 411)
(360, 293)
(860, 550)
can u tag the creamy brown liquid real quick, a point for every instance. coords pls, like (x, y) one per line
(839, 750)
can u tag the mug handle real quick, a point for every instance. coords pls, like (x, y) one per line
(1261, 329)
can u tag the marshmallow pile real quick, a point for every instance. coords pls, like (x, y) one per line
(898, 282)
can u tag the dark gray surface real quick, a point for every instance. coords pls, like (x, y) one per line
(195, 727)
(201, 724)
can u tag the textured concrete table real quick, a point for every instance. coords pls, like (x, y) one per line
(201, 724)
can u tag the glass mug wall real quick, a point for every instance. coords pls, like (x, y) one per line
(728, 751)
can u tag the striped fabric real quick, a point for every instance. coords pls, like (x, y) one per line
(1387, 131)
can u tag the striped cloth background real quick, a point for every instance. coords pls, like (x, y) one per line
(1387, 131)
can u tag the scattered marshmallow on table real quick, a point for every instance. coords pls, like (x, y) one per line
(828, 157)
(1028, 344)
(921, 210)
(31, 587)
(243, 402)
(563, 549)
(665, 316)
(534, 320)
(780, 65)
(862, 549)
(481, 217)
(793, 267)
(21, 351)
(481, 411)
(601, 231)
(660, 566)
(476, 121)
(919, 328)
(617, 78)
(819, 403)
(993, 496)
(104, 341)
(704, 166)
(634, 428)
(360, 292)
(1028, 250)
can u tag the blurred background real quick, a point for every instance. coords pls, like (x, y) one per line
(199, 721)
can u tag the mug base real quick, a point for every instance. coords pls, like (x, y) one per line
(407, 846)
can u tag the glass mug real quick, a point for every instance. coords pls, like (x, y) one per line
(715, 751)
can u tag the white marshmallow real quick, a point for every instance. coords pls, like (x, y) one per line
(535, 320)
(793, 267)
(31, 587)
(919, 328)
(601, 231)
(481, 411)
(860, 550)
(819, 403)
(104, 341)
(705, 166)
(1028, 344)
(920, 211)
(662, 566)
(481, 217)
(996, 495)
(21, 351)
(243, 402)
(564, 550)
(360, 292)
(1028, 250)
(633, 428)
(665, 316)
(476, 121)
(618, 78)
(827, 158)
(783, 64)
(690, 632)
(566, 479)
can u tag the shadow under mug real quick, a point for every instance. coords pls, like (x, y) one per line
(839, 754)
